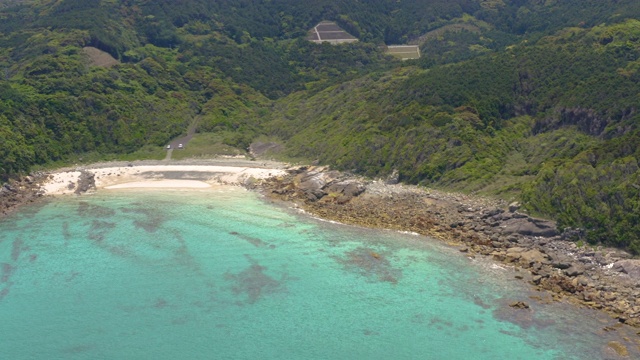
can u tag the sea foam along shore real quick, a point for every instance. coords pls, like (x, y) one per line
(158, 175)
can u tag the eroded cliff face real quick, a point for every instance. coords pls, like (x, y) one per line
(604, 279)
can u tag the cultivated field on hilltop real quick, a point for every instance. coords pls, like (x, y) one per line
(404, 52)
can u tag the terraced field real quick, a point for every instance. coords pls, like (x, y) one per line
(329, 31)
(404, 52)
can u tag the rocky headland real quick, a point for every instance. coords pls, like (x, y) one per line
(599, 278)
(17, 192)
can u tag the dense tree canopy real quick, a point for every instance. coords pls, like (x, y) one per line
(525, 99)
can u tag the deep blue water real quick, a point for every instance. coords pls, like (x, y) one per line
(224, 275)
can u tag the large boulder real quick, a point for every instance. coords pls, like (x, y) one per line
(86, 182)
(316, 183)
(346, 188)
(526, 257)
(514, 206)
(574, 270)
(530, 227)
(312, 181)
(629, 266)
(393, 178)
(317, 177)
(533, 256)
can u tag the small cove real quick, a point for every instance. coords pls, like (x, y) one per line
(222, 274)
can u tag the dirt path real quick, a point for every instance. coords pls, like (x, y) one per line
(181, 142)
(168, 157)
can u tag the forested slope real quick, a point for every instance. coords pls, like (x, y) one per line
(524, 99)
(177, 63)
(554, 124)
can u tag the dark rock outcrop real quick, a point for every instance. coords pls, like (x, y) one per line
(586, 120)
(519, 305)
(574, 270)
(393, 178)
(86, 182)
(530, 227)
(318, 183)
(21, 191)
(629, 266)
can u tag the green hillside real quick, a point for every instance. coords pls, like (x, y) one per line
(554, 124)
(527, 100)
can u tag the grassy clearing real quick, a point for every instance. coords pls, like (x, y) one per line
(404, 52)
(279, 153)
(147, 152)
(207, 145)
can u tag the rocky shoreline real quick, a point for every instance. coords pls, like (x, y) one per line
(17, 192)
(598, 278)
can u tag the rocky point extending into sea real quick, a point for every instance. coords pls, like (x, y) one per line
(600, 278)
(17, 192)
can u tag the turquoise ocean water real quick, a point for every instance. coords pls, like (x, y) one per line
(224, 275)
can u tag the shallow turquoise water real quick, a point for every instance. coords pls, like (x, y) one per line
(223, 275)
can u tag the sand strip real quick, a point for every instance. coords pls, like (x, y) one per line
(181, 184)
(159, 176)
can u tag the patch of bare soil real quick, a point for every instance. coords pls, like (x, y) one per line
(258, 148)
(98, 57)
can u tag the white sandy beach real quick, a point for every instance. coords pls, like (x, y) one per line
(159, 176)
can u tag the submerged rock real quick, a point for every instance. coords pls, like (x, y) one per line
(620, 349)
(519, 305)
